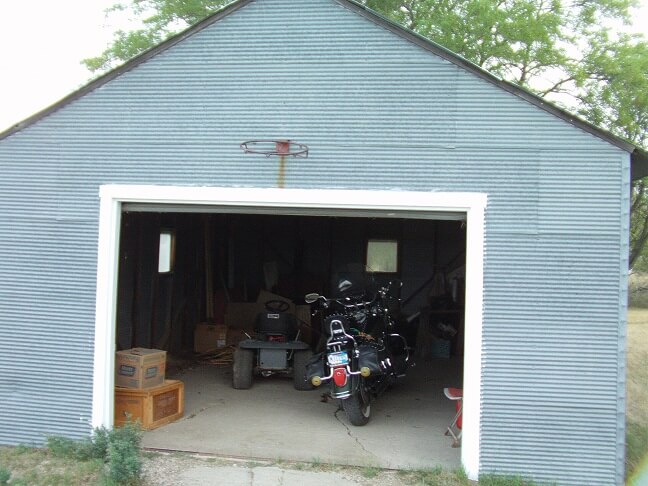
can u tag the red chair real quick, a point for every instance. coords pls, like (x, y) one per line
(454, 429)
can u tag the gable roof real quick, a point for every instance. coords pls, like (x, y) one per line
(639, 157)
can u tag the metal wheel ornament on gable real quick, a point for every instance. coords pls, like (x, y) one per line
(280, 148)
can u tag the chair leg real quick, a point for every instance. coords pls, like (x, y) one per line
(450, 431)
(457, 439)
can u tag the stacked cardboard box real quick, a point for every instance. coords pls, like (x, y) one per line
(140, 368)
(152, 407)
(142, 393)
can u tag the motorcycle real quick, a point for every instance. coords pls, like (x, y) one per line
(363, 353)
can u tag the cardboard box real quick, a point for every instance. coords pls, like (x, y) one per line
(140, 368)
(209, 337)
(153, 407)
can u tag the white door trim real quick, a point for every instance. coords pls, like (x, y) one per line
(424, 203)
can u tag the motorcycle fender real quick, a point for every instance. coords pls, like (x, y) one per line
(339, 390)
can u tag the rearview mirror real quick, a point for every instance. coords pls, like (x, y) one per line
(310, 298)
(344, 285)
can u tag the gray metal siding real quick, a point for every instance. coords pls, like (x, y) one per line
(378, 112)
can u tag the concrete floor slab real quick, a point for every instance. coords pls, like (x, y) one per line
(272, 421)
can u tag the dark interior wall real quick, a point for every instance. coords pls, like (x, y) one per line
(308, 253)
(151, 306)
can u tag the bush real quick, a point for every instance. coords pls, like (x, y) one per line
(5, 475)
(118, 448)
(124, 460)
(99, 443)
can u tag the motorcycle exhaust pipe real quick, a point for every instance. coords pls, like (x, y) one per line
(386, 364)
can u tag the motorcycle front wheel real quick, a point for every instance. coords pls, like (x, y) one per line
(357, 409)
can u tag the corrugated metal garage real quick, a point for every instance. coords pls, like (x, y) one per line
(381, 109)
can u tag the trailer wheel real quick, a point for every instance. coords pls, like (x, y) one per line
(300, 359)
(242, 368)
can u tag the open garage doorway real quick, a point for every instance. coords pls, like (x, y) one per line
(231, 253)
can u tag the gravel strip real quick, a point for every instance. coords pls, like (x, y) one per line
(179, 468)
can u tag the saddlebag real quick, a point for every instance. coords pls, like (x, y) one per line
(315, 366)
(371, 356)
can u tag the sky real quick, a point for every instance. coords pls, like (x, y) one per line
(42, 43)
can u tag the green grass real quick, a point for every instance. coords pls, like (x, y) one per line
(42, 467)
(110, 457)
(489, 480)
(637, 389)
(636, 446)
(435, 477)
(30, 466)
(370, 472)
(441, 477)
(638, 291)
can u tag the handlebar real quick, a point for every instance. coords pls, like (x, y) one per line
(353, 301)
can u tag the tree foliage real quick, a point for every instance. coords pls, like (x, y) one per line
(563, 50)
(614, 85)
(516, 40)
(158, 19)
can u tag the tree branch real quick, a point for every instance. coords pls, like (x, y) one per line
(556, 87)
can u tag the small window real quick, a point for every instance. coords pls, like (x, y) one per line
(167, 251)
(382, 256)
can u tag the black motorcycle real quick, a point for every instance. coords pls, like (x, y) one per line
(363, 353)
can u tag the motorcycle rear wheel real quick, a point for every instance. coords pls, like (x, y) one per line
(357, 409)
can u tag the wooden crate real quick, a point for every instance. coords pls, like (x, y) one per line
(153, 407)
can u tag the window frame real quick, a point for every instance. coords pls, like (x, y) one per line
(170, 259)
(397, 256)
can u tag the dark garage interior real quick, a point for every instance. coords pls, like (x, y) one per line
(181, 269)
